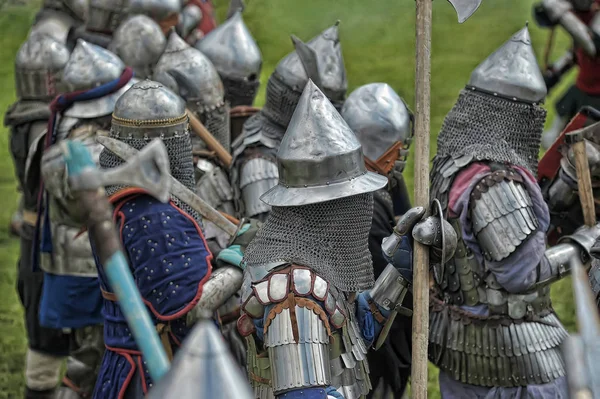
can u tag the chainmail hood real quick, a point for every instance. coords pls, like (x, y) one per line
(330, 237)
(492, 129)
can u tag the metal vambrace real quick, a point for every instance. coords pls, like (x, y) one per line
(222, 285)
(571, 251)
(388, 294)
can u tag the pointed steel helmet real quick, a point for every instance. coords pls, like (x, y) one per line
(189, 73)
(203, 368)
(233, 50)
(91, 66)
(190, 17)
(149, 110)
(139, 41)
(378, 117)
(511, 71)
(330, 62)
(39, 68)
(320, 158)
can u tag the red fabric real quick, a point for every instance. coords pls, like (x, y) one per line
(588, 79)
(208, 21)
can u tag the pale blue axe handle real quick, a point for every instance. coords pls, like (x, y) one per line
(98, 218)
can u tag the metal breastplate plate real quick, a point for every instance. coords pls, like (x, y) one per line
(517, 344)
(331, 323)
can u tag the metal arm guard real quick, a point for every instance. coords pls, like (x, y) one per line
(222, 285)
(258, 175)
(388, 293)
(572, 251)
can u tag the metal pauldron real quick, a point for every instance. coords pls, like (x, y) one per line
(390, 289)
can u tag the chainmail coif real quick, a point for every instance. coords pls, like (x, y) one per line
(330, 237)
(179, 150)
(493, 129)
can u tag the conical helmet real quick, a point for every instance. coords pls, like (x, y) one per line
(164, 12)
(511, 71)
(235, 54)
(39, 68)
(139, 42)
(91, 66)
(189, 73)
(190, 17)
(288, 80)
(320, 158)
(203, 368)
(378, 117)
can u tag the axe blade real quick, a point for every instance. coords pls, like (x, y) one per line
(465, 8)
(148, 169)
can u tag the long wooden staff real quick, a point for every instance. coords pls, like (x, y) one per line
(420, 329)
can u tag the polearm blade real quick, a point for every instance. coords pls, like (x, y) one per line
(125, 152)
(420, 332)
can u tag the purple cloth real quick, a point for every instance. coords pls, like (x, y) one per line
(518, 272)
(452, 389)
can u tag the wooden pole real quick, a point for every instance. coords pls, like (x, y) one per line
(584, 182)
(209, 139)
(420, 329)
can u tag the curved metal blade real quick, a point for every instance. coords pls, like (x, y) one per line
(465, 8)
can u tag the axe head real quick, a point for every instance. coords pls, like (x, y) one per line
(148, 170)
(465, 8)
(591, 133)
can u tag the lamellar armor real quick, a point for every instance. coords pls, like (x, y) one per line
(492, 323)
(235, 54)
(302, 270)
(254, 169)
(383, 124)
(139, 42)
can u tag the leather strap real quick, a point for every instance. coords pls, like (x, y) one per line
(30, 217)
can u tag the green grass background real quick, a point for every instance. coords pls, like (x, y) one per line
(378, 43)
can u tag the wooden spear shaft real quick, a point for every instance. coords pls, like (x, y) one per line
(420, 329)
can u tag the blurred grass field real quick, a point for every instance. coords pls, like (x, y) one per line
(378, 43)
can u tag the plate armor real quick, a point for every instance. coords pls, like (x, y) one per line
(492, 323)
(139, 42)
(302, 273)
(235, 54)
(254, 169)
(190, 74)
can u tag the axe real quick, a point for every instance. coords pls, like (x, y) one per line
(149, 170)
(126, 152)
(584, 182)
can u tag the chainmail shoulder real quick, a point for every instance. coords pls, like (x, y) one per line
(239, 92)
(491, 128)
(179, 150)
(330, 237)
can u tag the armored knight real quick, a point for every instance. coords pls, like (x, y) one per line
(139, 42)
(383, 125)
(189, 73)
(105, 16)
(164, 242)
(307, 330)
(581, 21)
(71, 298)
(235, 54)
(254, 168)
(493, 331)
(38, 79)
(561, 193)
